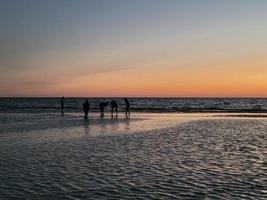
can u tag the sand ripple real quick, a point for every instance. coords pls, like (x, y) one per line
(204, 159)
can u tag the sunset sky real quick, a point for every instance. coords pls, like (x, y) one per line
(178, 48)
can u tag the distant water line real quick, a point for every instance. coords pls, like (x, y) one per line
(157, 105)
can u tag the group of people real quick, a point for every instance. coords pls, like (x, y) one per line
(102, 105)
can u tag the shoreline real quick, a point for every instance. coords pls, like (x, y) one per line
(134, 111)
(107, 112)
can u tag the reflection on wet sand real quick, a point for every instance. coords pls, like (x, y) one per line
(146, 156)
(262, 115)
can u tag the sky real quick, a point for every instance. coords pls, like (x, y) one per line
(141, 48)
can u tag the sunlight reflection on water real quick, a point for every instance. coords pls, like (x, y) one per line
(184, 156)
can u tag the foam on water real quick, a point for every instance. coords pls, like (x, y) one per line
(149, 156)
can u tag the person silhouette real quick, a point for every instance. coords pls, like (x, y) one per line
(102, 106)
(62, 106)
(86, 107)
(113, 104)
(127, 109)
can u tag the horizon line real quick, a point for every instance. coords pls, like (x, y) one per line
(143, 97)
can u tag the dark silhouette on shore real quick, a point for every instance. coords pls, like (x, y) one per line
(127, 109)
(86, 107)
(114, 106)
(62, 106)
(102, 106)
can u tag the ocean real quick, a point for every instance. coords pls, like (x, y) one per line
(159, 105)
(167, 149)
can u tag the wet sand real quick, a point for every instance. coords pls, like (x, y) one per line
(148, 156)
(263, 115)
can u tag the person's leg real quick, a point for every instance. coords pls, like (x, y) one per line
(101, 112)
(127, 111)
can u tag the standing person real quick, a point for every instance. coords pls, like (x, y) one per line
(86, 107)
(62, 106)
(113, 104)
(102, 106)
(127, 110)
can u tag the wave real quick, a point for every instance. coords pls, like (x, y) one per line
(157, 105)
(140, 109)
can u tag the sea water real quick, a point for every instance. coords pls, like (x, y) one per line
(147, 156)
(140, 104)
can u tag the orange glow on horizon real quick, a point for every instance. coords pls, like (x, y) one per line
(236, 78)
(246, 78)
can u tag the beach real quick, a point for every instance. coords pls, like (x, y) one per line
(140, 100)
(146, 156)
